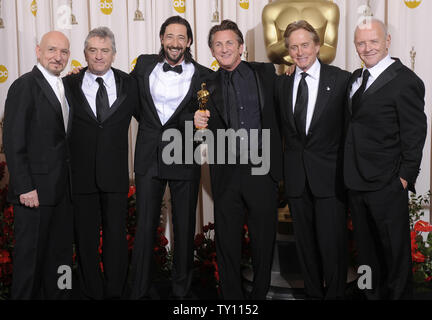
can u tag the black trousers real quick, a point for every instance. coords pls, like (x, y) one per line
(44, 238)
(92, 211)
(254, 198)
(320, 229)
(382, 236)
(184, 196)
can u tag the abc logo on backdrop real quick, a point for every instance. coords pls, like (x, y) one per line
(3, 74)
(180, 6)
(244, 4)
(106, 6)
(412, 3)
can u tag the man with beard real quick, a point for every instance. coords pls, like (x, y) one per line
(168, 84)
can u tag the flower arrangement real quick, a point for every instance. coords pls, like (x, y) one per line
(206, 267)
(421, 250)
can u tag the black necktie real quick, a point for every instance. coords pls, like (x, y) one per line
(300, 109)
(231, 101)
(178, 68)
(356, 98)
(102, 102)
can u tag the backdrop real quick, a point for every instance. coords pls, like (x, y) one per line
(136, 24)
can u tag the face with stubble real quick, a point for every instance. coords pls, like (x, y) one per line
(175, 42)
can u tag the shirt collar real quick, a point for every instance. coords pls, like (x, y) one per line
(48, 75)
(377, 69)
(108, 78)
(313, 71)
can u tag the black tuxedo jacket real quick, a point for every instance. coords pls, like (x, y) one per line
(149, 144)
(34, 139)
(265, 76)
(386, 132)
(99, 150)
(319, 158)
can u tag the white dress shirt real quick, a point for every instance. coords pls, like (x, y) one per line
(375, 72)
(90, 88)
(52, 80)
(312, 81)
(168, 89)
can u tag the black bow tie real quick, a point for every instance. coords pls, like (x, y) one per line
(167, 67)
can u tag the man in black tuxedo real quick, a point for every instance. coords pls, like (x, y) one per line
(312, 103)
(167, 84)
(241, 98)
(36, 126)
(383, 150)
(105, 100)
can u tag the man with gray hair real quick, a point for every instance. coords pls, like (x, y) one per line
(104, 99)
(382, 156)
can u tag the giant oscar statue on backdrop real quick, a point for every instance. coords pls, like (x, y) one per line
(323, 15)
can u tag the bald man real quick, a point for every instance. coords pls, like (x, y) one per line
(383, 151)
(35, 130)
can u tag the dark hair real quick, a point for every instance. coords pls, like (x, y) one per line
(176, 20)
(301, 24)
(225, 25)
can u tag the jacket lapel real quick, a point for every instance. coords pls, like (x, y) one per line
(325, 89)
(287, 98)
(216, 95)
(49, 94)
(144, 82)
(383, 78)
(121, 96)
(353, 79)
(79, 94)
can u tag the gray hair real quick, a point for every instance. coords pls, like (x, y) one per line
(101, 32)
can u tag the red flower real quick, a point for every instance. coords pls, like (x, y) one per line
(4, 257)
(428, 279)
(422, 226)
(199, 240)
(160, 230)
(132, 191)
(414, 245)
(418, 257)
(211, 226)
(163, 241)
(205, 229)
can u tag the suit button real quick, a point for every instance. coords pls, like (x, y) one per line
(101, 126)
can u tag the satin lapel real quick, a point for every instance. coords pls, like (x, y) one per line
(353, 78)
(383, 79)
(144, 82)
(81, 98)
(326, 88)
(259, 82)
(121, 96)
(49, 94)
(216, 96)
(287, 99)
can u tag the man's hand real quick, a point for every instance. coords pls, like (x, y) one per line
(404, 182)
(201, 119)
(75, 70)
(290, 70)
(30, 199)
